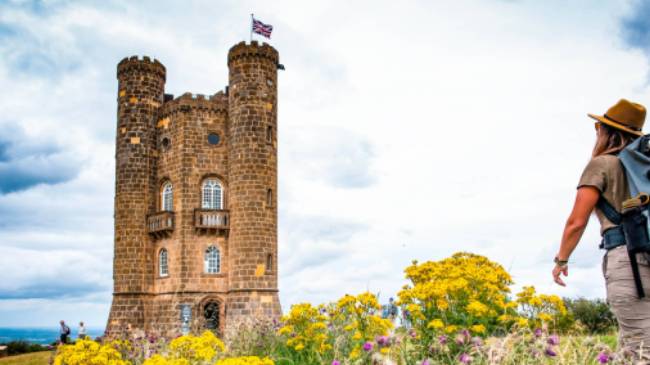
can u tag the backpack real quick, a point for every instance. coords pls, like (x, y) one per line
(66, 330)
(393, 310)
(634, 220)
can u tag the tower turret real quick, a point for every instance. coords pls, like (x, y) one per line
(141, 85)
(252, 159)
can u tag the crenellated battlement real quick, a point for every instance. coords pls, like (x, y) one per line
(254, 49)
(217, 103)
(144, 64)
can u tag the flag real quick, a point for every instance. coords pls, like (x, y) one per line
(262, 29)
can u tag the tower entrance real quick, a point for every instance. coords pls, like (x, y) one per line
(211, 314)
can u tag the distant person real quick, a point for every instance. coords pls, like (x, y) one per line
(82, 331)
(603, 188)
(385, 311)
(64, 331)
(406, 318)
(392, 310)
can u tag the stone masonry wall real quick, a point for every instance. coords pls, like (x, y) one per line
(252, 162)
(140, 93)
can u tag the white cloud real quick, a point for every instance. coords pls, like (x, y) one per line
(407, 130)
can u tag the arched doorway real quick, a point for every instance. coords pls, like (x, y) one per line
(212, 315)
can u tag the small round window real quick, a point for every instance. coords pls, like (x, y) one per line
(213, 138)
(165, 143)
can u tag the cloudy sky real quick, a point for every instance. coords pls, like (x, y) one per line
(407, 130)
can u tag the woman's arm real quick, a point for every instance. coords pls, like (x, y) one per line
(586, 200)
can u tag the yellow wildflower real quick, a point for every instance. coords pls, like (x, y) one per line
(436, 324)
(478, 329)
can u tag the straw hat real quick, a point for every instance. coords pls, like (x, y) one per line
(625, 115)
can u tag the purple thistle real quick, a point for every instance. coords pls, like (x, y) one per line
(367, 346)
(460, 339)
(425, 362)
(442, 340)
(553, 340)
(336, 362)
(464, 358)
(383, 341)
(550, 352)
(603, 358)
(538, 332)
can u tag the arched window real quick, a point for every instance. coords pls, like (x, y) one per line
(212, 260)
(212, 194)
(167, 198)
(162, 263)
(269, 198)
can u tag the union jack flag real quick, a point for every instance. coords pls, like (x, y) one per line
(262, 29)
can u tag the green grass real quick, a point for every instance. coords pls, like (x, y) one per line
(35, 358)
(610, 340)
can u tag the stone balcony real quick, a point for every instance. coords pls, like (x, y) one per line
(212, 220)
(161, 223)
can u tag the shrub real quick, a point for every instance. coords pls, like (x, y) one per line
(22, 347)
(359, 325)
(593, 314)
(86, 352)
(541, 310)
(463, 291)
(305, 330)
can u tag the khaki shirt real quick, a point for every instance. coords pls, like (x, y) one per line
(606, 174)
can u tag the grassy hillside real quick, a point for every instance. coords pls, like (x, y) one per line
(35, 358)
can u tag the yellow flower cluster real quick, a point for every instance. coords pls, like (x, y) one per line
(465, 290)
(306, 328)
(246, 360)
(87, 352)
(358, 315)
(160, 360)
(536, 308)
(196, 348)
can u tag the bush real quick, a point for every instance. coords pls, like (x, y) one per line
(22, 347)
(593, 314)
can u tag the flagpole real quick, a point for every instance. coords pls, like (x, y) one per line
(251, 27)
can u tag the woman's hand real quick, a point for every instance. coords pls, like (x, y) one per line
(557, 270)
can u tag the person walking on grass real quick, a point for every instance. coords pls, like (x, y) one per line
(604, 187)
(64, 332)
(82, 331)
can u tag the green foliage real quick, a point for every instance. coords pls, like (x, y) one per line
(593, 314)
(22, 347)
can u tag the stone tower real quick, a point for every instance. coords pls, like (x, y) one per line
(196, 199)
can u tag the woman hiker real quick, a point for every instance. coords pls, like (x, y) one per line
(604, 175)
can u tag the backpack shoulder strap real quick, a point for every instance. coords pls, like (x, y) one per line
(608, 210)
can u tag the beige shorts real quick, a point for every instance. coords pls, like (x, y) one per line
(632, 313)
